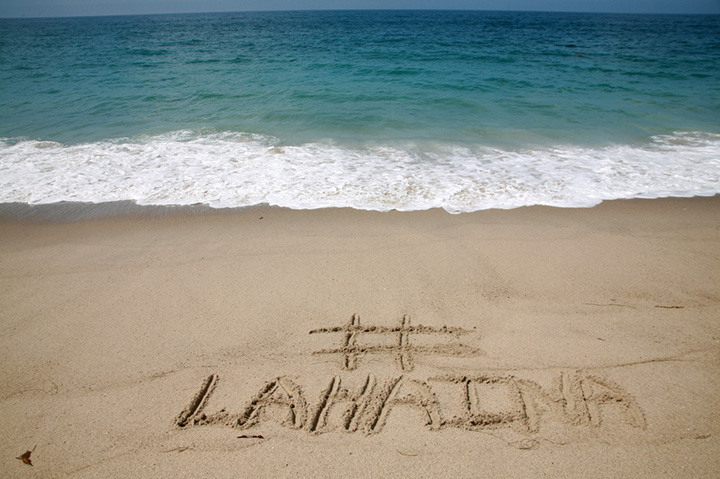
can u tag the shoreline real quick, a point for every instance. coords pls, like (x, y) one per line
(580, 342)
(71, 211)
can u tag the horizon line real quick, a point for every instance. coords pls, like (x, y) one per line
(25, 17)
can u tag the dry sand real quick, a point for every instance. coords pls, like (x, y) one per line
(334, 343)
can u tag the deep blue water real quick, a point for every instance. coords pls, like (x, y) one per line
(368, 109)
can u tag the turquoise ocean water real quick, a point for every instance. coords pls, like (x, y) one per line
(373, 110)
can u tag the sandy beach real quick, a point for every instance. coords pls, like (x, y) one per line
(535, 342)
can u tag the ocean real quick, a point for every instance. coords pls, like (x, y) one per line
(373, 110)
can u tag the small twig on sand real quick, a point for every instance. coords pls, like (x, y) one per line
(178, 449)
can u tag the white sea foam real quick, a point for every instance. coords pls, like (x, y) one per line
(234, 169)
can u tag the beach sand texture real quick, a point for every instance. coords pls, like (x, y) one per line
(339, 343)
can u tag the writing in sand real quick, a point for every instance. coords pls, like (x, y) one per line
(475, 401)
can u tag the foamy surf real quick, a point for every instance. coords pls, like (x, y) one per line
(238, 170)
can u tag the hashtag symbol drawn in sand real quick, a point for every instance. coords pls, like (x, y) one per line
(401, 348)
